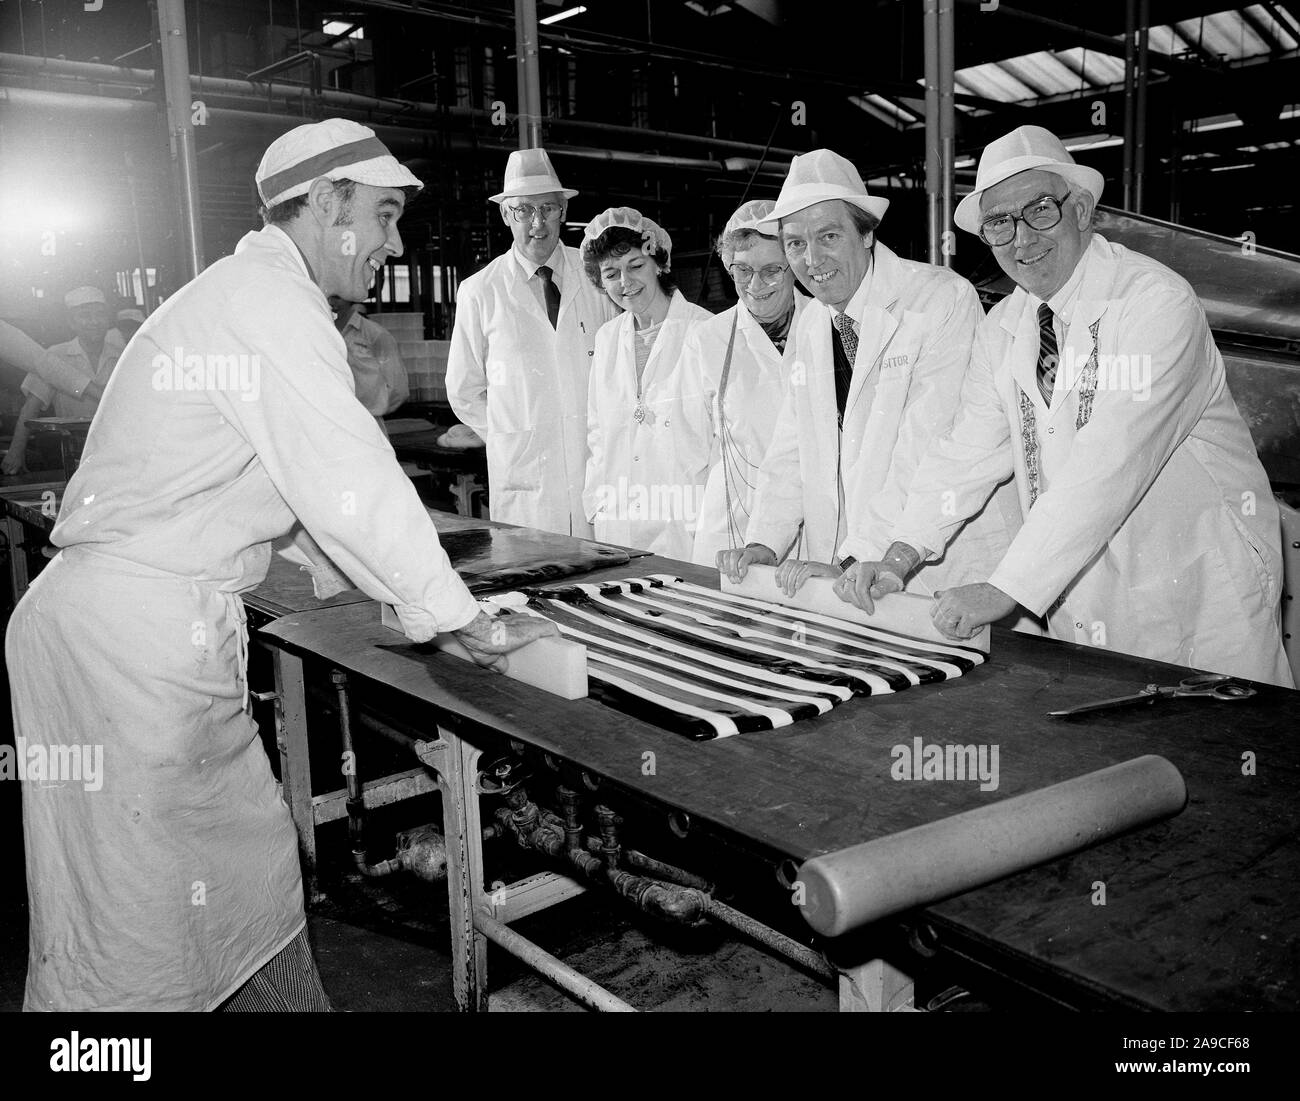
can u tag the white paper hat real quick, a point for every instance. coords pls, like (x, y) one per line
(816, 177)
(653, 235)
(1025, 148)
(530, 172)
(749, 216)
(83, 296)
(338, 149)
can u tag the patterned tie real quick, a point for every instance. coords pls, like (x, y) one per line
(847, 336)
(1047, 353)
(552, 294)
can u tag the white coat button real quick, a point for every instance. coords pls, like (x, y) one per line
(1079, 625)
(636, 458)
(1050, 431)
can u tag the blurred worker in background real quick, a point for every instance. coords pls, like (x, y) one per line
(89, 356)
(743, 355)
(128, 321)
(231, 422)
(877, 371)
(1150, 528)
(521, 352)
(647, 416)
(376, 363)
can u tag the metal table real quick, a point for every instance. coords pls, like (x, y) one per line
(1195, 913)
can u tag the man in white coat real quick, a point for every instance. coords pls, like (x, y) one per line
(1150, 528)
(168, 879)
(878, 366)
(521, 353)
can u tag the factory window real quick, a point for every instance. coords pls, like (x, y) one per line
(347, 27)
(397, 287)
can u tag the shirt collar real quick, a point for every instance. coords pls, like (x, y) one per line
(555, 261)
(1063, 301)
(858, 303)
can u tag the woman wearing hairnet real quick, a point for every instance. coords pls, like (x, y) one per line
(647, 417)
(743, 357)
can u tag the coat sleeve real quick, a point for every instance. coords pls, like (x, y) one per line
(933, 398)
(331, 463)
(55, 373)
(778, 498)
(961, 468)
(467, 378)
(1116, 456)
(594, 497)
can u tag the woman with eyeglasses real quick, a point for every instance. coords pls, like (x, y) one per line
(743, 356)
(647, 421)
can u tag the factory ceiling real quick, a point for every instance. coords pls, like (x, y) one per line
(680, 107)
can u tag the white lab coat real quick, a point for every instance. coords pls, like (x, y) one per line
(745, 420)
(645, 480)
(1155, 532)
(168, 887)
(77, 364)
(522, 386)
(18, 348)
(913, 350)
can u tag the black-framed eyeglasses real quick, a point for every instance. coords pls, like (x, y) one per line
(1043, 213)
(741, 274)
(525, 212)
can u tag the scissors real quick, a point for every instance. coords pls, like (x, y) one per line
(1214, 686)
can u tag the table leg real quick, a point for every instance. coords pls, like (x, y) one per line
(295, 759)
(463, 833)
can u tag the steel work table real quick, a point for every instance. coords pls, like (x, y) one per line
(1200, 910)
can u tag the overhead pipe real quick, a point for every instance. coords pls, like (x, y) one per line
(180, 128)
(143, 80)
(933, 144)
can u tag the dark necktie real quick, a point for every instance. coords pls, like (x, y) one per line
(1047, 353)
(552, 294)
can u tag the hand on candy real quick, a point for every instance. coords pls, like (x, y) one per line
(490, 638)
(793, 572)
(960, 613)
(735, 562)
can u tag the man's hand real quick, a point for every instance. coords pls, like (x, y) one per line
(15, 461)
(793, 572)
(490, 638)
(960, 613)
(863, 583)
(735, 563)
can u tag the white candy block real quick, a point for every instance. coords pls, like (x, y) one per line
(905, 613)
(556, 665)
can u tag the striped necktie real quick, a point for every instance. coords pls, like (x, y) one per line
(848, 337)
(1047, 353)
(552, 294)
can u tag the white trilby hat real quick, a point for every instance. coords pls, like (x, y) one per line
(815, 177)
(749, 215)
(83, 296)
(529, 172)
(338, 149)
(1025, 148)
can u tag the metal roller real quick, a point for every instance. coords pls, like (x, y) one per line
(853, 887)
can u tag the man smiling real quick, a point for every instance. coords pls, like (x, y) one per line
(1150, 528)
(521, 354)
(877, 368)
(176, 886)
